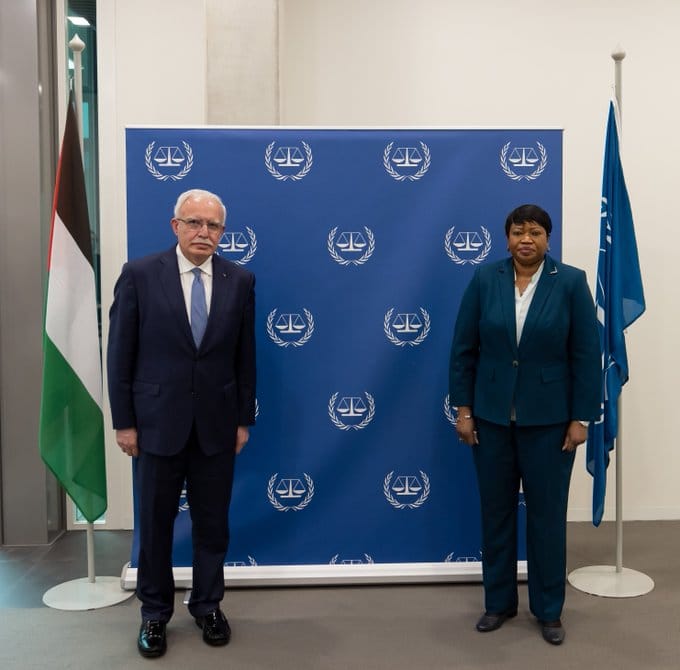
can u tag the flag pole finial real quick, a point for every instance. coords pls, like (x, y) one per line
(76, 44)
(618, 54)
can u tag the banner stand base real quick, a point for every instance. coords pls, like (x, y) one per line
(334, 575)
(82, 594)
(605, 581)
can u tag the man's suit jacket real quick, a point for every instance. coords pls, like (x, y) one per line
(553, 375)
(159, 382)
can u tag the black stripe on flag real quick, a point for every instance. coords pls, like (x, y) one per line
(71, 203)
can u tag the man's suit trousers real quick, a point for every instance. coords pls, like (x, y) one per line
(159, 482)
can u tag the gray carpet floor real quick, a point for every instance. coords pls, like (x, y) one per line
(372, 627)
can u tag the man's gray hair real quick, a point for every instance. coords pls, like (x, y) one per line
(198, 194)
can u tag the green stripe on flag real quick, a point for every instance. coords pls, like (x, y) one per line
(72, 435)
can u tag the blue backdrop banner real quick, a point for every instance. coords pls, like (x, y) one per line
(362, 242)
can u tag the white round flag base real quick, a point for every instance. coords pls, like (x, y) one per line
(604, 580)
(82, 594)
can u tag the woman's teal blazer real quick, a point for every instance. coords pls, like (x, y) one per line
(553, 375)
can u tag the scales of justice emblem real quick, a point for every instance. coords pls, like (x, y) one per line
(290, 493)
(411, 329)
(407, 163)
(411, 491)
(169, 161)
(288, 162)
(452, 558)
(354, 413)
(234, 246)
(240, 564)
(352, 246)
(290, 329)
(467, 246)
(336, 560)
(525, 162)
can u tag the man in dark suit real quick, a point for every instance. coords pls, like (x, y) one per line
(525, 376)
(181, 375)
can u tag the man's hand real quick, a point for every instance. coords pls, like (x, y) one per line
(127, 441)
(242, 435)
(576, 434)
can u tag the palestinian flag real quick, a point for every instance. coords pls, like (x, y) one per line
(71, 419)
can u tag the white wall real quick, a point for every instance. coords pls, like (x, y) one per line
(530, 62)
(243, 75)
(433, 62)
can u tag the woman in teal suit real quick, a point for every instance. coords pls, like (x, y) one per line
(525, 376)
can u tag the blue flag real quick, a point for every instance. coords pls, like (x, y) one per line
(619, 300)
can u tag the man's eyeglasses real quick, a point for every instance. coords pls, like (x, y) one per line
(197, 224)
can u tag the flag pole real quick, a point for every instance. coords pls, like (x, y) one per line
(77, 46)
(606, 580)
(86, 593)
(618, 55)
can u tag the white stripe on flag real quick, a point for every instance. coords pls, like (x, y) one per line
(71, 313)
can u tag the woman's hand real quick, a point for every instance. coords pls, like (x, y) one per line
(576, 434)
(465, 426)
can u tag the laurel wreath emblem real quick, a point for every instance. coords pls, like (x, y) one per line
(411, 177)
(400, 343)
(283, 177)
(416, 503)
(334, 560)
(448, 411)
(287, 343)
(286, 508)
(358, 426)
(164, 177)
(251, 251)
(355, 261)
(481, 257)
(518, 177)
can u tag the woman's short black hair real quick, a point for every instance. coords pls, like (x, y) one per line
(529, 213)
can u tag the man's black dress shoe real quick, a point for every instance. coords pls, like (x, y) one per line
(151, 641)
(552, 631)
(216, 631)
(490, 621)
